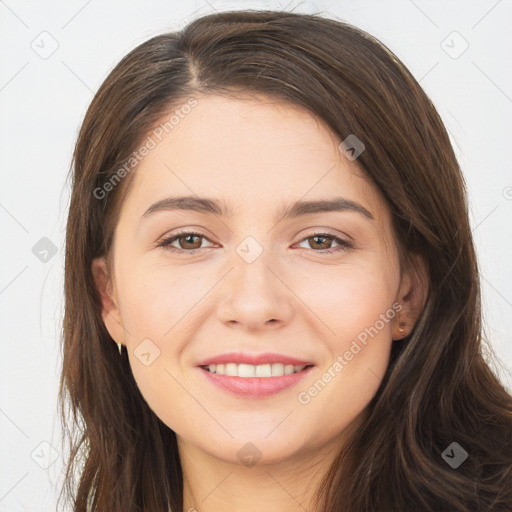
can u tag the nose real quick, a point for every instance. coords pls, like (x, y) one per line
(256, 296)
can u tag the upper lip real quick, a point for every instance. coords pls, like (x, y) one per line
(254, 359)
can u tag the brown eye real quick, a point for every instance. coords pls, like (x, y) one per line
(322, 243)
(187, 242)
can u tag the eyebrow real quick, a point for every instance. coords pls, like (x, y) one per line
(220, 208)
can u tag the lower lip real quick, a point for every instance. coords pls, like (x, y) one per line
(255, 387)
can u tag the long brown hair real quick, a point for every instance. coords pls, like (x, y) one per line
(438, 388)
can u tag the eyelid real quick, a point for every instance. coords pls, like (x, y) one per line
(327, 232)
(344, 245)
(166, 240)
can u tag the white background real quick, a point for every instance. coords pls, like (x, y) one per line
(43, 101)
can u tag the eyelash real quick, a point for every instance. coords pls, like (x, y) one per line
(344, 245)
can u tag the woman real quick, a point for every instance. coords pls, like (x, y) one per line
(268, 220)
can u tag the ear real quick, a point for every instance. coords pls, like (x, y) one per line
(412, 296)
(109, 306)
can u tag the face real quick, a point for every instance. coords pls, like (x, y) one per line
(252, 285)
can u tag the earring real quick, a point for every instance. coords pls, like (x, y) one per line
(120, 348)
(401, 326)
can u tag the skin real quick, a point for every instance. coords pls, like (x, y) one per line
(256, 155)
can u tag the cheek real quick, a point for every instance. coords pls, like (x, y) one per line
(357, 307)
(364, 328)
(349, 300)
(155, 302)
(157, 309)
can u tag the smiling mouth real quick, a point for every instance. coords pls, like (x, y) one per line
(251, 371)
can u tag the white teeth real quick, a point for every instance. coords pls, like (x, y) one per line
(277, 369)
(288, 369)
(249, 370)
(231, 370)
(246, 370)
(262, 370)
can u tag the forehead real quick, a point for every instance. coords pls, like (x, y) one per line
(252, 151)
